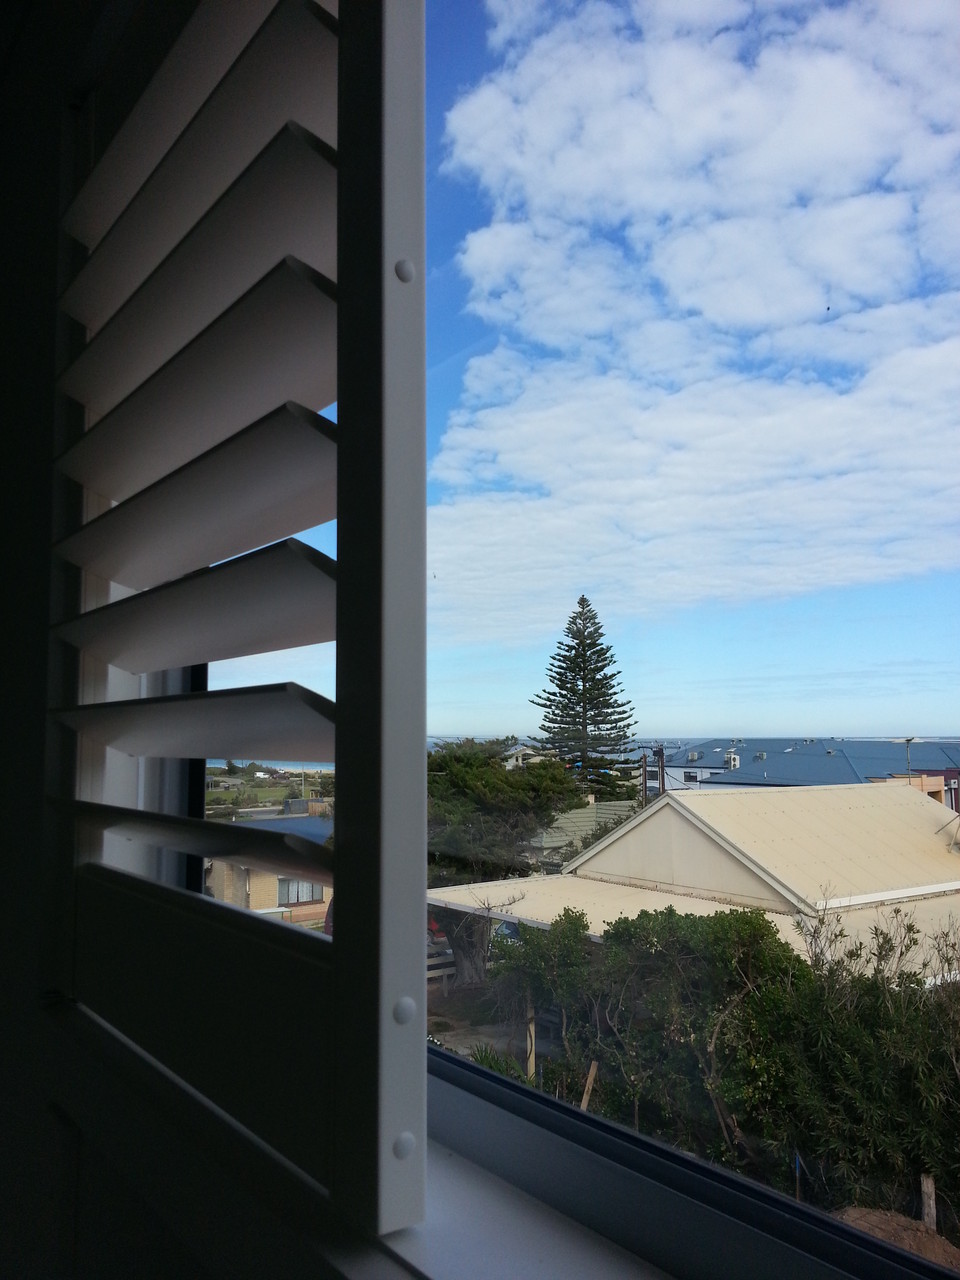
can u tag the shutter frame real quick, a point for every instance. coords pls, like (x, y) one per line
(165, 410)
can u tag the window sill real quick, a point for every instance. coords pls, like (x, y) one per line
(624, 1196)
(480, 1227)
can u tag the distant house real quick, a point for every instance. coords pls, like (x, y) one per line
(805, 762)
(299, 901)
(567, 834)
(520, 757)
(853, 852)
(937, 786)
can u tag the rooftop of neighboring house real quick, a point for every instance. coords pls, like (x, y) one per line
(813, 761)
(855, 852)
(879, 842)
(538, 900)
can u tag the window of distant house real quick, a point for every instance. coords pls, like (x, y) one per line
(292, 892)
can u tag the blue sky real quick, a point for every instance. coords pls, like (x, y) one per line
(693, 350)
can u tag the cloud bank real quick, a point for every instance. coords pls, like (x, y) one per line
(721, 256)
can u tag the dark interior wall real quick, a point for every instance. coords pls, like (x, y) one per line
(46, 1170)
(37, 1156)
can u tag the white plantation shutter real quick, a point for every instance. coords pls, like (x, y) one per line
(254, 237)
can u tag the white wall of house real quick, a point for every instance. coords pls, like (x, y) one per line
(664, 849)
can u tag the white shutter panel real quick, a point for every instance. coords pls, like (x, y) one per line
(255, 237)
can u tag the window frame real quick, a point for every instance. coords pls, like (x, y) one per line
(77, 1085)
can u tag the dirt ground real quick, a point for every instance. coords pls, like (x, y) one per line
(463, 1019)
(905, 1233)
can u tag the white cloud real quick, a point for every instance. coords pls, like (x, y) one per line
(511, 22)
(722, 259)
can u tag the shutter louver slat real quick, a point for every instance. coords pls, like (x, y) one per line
(272, 479)
(283, 204)
(243, 844)
(287, 72)
(273, 722)
(276, 343)
(208, 616)
(202, 55)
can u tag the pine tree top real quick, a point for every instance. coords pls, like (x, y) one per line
(585, 716)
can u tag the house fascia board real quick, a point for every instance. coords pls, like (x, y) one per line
(480, 907)
(495, 913)
(886, 896)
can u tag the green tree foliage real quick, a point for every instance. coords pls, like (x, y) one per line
(854, 1064)
(501, 1063)
(712, 1033)
(481, 815)
(585, 718)
(232, 769)
(548, 967)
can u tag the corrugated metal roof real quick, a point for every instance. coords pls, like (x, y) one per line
(789, 769)
(859, 851)
(883, 842)
(816, 761)
(538, 900)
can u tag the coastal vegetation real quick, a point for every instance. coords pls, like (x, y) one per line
(481, 817)
(834, 1076)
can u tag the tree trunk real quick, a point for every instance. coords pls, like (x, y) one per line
(928, 1195)
(469, 939)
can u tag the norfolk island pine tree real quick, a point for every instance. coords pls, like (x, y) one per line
(585, 716)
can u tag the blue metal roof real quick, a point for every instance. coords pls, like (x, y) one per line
(817, 761)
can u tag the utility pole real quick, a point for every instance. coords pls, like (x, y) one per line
(661, 769)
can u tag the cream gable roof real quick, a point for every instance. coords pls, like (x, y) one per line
(538, 900)
(835, 846)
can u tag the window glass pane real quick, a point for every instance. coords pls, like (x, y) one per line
(280, 798)
(685, 315)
